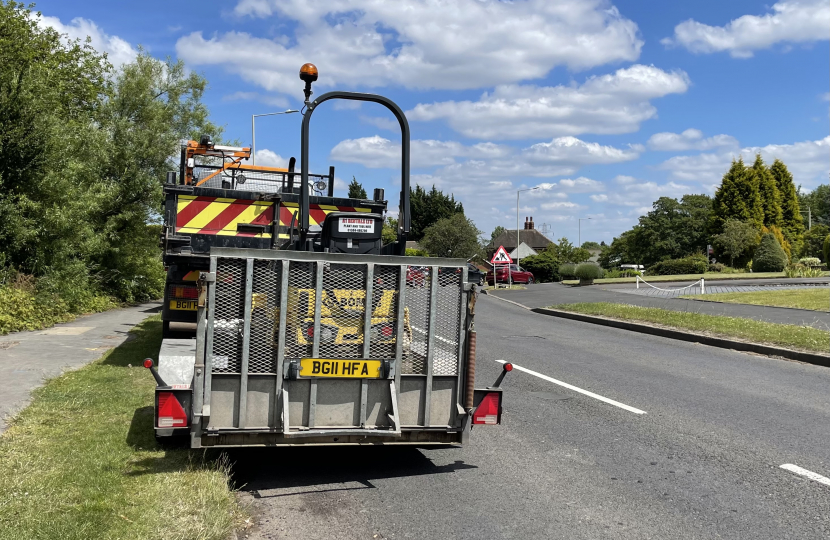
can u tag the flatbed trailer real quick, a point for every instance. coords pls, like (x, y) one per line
(313, 332)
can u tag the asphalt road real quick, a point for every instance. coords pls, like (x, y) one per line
(704, 461)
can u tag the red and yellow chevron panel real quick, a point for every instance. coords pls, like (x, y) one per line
(220, 216)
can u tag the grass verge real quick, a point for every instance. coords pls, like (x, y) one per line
(783, 335)
(81, 461)
(816, 299)
(714, 276)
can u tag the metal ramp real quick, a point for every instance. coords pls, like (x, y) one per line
(271, 314)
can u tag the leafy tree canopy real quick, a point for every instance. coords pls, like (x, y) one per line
(427, 207)
(591, 245)
(356, 190)
(737, 239)
(738, 197)
(454, 236)
(496, 232)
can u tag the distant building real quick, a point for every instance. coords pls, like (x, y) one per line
(529, 238)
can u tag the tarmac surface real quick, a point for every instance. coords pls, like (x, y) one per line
(704, 460)
(548, 294)
(28, 358)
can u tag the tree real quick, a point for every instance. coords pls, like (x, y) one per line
(737, 239)
(818, 201)
(496, 233)
(356, 190)
(427, 207)
(826, 250)
(792, 223)
(567, 252)
(738, 197)
(454, 236)
(591, 245)
(769, 256)
(389, 234)
(814, 241)
(768, 190)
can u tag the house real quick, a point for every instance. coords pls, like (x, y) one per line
(529, 238)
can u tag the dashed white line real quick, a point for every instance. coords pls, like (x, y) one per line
(576, 389)
(806, 474)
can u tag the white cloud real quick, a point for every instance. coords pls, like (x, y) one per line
(118, 50)
(602, 197)
(791, 21)
(606, 104)
(691, 139)
(381, 123)
(806, 160)
(275, 101)
(419, 43)
(268, 158)
(485, 160)
(574, 151)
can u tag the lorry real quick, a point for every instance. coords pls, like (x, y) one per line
(308, 328)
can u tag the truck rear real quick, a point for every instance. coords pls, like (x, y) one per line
(327, 337)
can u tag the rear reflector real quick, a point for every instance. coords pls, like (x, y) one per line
(186, 292)
(487, 411)
(170, 411)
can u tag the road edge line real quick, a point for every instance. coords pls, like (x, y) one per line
(723, 343)
(815, 477)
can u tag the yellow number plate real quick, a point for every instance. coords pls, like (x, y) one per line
(183, 305)
(326, 367)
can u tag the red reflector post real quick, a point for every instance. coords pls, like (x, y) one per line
(487, 411)
(170, 411)
(508, 367)
(148, 363)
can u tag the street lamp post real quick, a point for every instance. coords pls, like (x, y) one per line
(518, 256)
(253, 130)
(579, 238)
(809, 218)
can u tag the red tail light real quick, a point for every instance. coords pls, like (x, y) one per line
(186, 292)
(170, 411)
(487, 411)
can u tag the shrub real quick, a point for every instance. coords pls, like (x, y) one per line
(544, 266)
(826, 250)
(628, 272)
(695, 264)
(567, 270)
(801, 270)
(716, 267)
(770, 256)
(810, 261)
(588, 271)
(416, 252)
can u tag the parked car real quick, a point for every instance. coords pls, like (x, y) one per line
(474, 275)
(416, 276)
(515, 273)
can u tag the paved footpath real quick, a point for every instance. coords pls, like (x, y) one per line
(28, 358)
(548, 294)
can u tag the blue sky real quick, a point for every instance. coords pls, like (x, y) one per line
(605, 105)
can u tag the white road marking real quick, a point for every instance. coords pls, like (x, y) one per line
(807, 474)
(576, 389)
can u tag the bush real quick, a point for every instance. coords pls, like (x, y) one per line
(416, 252)
(810, 261)
(770, 256)
(696, 264)
(826, 250)
(567, 270)
(716, 267)
(588, 271)
(628, 272)
(544, 266)
(801, 270)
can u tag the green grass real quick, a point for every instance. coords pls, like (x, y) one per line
(784, 335)
(714, 276)
(81, 461)
(816, 299)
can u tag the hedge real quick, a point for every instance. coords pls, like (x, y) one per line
(696, 264)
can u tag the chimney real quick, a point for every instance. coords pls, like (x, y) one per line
(530, 225)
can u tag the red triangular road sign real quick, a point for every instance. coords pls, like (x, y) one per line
(501, 257)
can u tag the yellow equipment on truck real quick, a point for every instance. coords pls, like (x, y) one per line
(309, 329)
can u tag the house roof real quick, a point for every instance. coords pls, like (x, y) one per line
(524, 251)
(532, 237)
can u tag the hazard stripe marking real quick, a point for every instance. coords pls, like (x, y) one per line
(225, 217)
(192, 210)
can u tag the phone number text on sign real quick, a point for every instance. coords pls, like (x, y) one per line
(356, 225)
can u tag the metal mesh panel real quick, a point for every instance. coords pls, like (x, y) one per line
(301, 288)
(342, 306)
(384, 312)
(417, 321)
(447, 323)
(265, 316)
(260, 181)
(228, 323)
